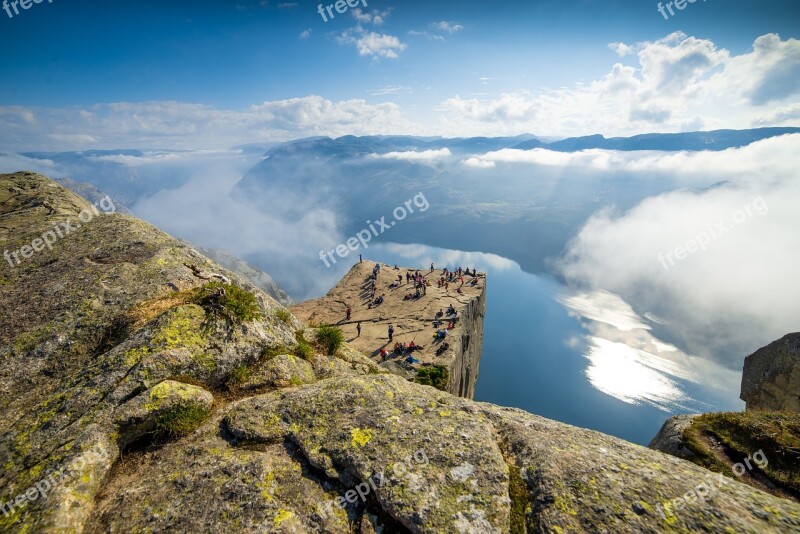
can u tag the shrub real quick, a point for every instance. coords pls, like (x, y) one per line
(330, 339)
(229, 302)
(437, 376)
(303, 350)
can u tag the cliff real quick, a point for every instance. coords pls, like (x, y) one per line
(459, 354)
(146, 388)
(771, 376)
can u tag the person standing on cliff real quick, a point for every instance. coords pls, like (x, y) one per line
(358, 329)
(349, 312)
(391, 333)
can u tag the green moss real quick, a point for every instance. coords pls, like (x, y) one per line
(360, 437)
(206, 361)
(281, 516)
(303, 350)
(183, 419)
(745, 433)
(240, 375)
(520, 502)
(437, 376)
(330, 339)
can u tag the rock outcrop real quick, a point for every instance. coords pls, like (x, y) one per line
(771, 376)
(111, 347)
(459, 354)
(670, 438)
(725, 442)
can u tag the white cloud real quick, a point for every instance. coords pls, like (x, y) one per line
(192, 126)
(305, 34)
(372, 44)
(680, 82)
(375, 17)
(435, 37)
(449, 27)
(731, 298)
(508, 108)
(479, 163)
(621, 49)
(425, 155)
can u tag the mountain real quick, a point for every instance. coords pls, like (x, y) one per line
(525, 213)
(693, 141)
(146, 388)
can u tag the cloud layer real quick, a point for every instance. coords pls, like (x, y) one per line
(737, 292)
(677, 83)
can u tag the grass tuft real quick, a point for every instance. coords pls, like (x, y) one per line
(437, 376)
(330, 339)
(181, 420)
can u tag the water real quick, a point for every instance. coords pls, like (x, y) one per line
(571, 357)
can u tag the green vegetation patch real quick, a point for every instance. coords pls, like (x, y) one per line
(228, 302)
(744, 433)
(283, 315)
(520, 500)
(437, 376)
(181, 420)
(330, 339)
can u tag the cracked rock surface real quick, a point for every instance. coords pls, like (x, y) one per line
(338, 446)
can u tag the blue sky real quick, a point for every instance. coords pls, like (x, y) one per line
(424, 60)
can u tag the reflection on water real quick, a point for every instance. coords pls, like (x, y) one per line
(625, 360)
(587, 359)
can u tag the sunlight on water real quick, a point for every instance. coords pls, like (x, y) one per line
(633, 376)
(625, 360)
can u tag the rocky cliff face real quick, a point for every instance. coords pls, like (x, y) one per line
(465, 365)
(771, 376)
(147, 389)
(453, 362)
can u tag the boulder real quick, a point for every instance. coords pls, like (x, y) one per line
(771, 376)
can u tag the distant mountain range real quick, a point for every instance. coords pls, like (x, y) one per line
(526, 213)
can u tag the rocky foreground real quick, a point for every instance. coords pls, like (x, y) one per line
(147, 389)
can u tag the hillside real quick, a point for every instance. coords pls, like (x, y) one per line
(145, 388)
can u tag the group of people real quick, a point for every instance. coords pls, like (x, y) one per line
(449, 277)
(421, 283)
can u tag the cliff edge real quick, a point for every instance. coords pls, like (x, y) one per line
(145, 388)
(452, 361)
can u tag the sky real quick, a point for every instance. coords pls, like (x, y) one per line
(89, 74)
